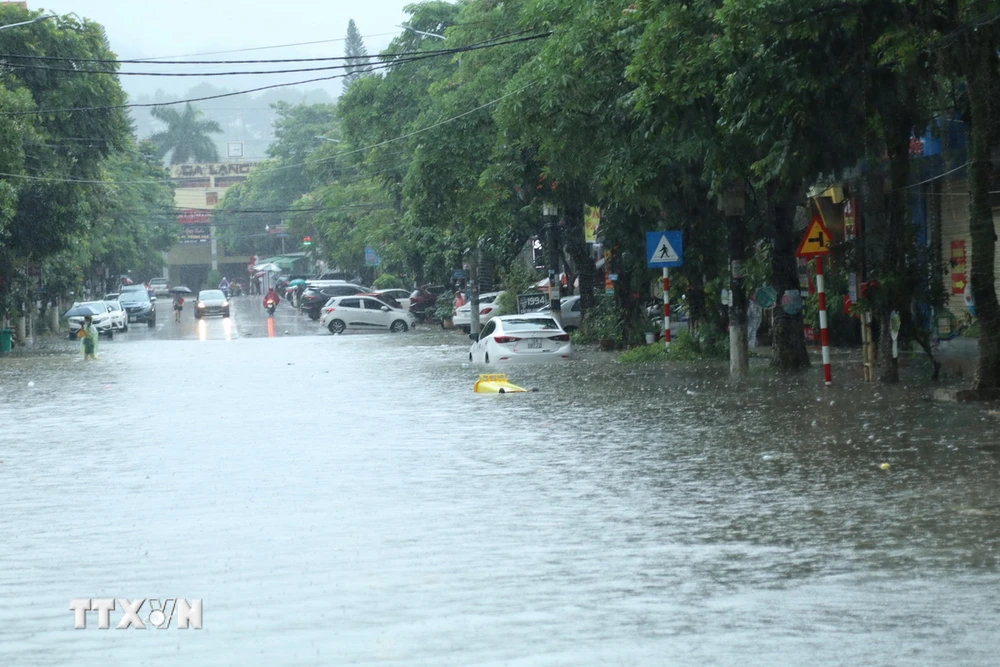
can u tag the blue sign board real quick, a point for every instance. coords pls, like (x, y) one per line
(371, 257)
(664, 250)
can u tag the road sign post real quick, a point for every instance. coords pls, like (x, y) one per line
(666, 307)
(816, 243)
(665, 250)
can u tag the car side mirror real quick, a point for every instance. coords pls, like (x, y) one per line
(474, 337)
(385, 309)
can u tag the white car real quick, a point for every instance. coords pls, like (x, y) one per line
(101, 318)
(119, 318)
(365, 313)
(569, 308)
(530, 337)
(488, 309)
(159, 286)
(400, 295)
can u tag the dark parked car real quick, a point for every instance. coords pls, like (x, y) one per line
(423, 300)
(138, 306)
(314, 299)
(211, 302)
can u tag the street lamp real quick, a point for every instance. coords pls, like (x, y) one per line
(421, 32)
(34, 20)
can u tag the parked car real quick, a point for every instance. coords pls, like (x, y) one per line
(139, 306)
(100, 316)
(569, 309)
(530, 337)
(339, 276)
(365, 313)
(488, 309)
(119, 318)
(313, 299)
(159, 286)
(211, 302)
(424, 299)
(384, 297)
(402, 296)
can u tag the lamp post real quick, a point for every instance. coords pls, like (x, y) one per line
(421, 32)
(34, 20)
(732, 204)
(551, 214)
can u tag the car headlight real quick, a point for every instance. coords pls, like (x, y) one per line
(201, 305)
(225, 304)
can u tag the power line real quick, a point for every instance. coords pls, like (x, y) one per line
(290, 166)
(383, 56)
(379, 66)
(258, 48)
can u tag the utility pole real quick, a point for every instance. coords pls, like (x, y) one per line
(733, 205)
(551, 214)
(473, 282)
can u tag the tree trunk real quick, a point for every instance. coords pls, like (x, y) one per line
(982, 78)
(739, 351)
(576, 246)
(788, 342)
(894, 237)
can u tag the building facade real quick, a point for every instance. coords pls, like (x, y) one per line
(198, 190)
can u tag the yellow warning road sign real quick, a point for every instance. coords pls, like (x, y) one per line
(816, 240)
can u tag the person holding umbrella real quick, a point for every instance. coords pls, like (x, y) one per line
(88, 334)
(178, 307)
(178, 302)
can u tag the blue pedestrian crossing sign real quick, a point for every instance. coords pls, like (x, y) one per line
(664, 250)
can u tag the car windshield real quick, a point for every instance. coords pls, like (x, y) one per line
(534, 324)
(158, 281)
(96, 306)
(134, 297)
(211, 295)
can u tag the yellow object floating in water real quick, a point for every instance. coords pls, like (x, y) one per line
(495, 383)
(885, 466)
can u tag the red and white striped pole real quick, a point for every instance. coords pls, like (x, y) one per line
(666, 307)
(823, 337)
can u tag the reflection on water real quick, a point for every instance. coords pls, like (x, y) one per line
(349, 496)
(270, 327)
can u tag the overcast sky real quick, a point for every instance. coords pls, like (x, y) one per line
(154, 28)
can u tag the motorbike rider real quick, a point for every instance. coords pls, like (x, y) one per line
(271, 297)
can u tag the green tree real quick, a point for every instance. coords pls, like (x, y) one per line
(43, 215)
(354, 48)
(186, 138)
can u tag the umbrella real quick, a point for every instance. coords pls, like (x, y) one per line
(180, 289)
(81, 311)
(296, 282)
(270, 266)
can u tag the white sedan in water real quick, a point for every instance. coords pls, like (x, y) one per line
(530, 337)
(364, 313)
(488, 309)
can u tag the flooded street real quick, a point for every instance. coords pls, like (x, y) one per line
(349, 500)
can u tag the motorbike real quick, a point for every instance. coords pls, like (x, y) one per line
(270, 306)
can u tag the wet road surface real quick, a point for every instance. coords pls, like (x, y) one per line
(348, 500)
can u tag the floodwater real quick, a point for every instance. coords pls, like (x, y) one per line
(348, 500)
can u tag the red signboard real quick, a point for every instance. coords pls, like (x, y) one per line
(195, 223)
(957, 262)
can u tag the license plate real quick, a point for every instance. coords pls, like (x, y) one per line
(131, 319)
(534, 343)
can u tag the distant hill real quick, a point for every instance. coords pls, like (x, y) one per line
(247, 118)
